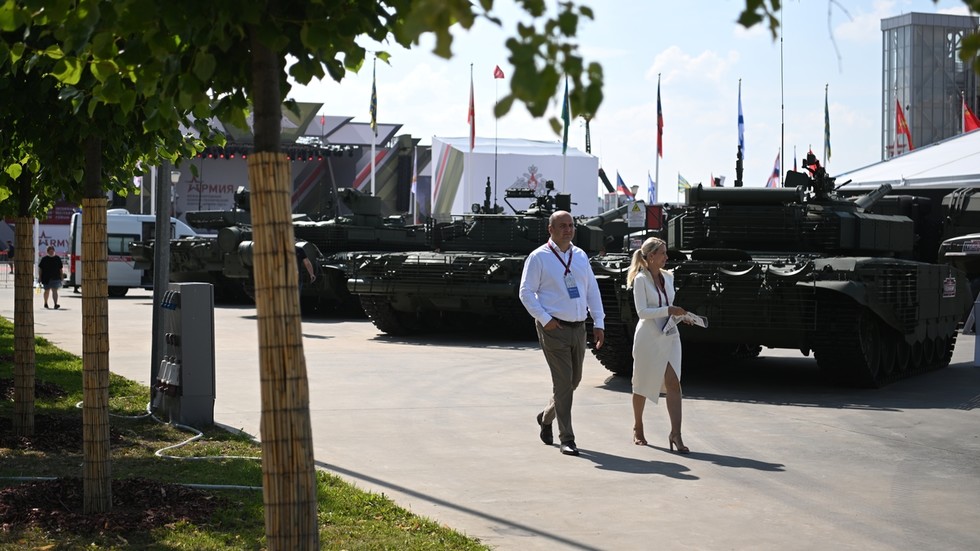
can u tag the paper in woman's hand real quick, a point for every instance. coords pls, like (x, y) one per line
(693, 319)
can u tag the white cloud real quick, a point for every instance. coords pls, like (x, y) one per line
(676, 65)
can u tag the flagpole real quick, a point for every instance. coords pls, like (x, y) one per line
(374, 117)
(782, 95)
(469, 160)
(962, 112)
(496, 94)
(656, 169)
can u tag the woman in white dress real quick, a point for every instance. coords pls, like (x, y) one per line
(656, 355)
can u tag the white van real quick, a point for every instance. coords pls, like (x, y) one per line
(122, 229)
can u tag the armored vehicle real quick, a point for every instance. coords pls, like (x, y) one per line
(473, 274)
(798, 267)
(199, 258)
(329, 245)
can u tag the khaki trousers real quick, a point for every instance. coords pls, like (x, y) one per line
(564, 350)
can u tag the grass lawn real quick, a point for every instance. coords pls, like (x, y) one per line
(155, 505)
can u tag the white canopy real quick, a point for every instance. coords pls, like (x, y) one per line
(459, 176)
(953, 162)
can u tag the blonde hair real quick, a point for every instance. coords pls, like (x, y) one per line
(639, 258)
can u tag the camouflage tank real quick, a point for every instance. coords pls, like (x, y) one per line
(798, 267)
(199, 258)
(330, 245)
(474, 271)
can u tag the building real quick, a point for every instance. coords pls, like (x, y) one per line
(923, 79)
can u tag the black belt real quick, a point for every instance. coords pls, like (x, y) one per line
(568, 323)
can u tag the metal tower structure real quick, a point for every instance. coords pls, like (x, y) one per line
(923, 76)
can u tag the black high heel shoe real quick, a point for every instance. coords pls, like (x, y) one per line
(675, 439)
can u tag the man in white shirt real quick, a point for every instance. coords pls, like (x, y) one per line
(559, 290)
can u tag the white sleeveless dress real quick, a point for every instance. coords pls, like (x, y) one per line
(652, 349)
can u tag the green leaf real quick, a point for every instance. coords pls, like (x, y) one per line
(68, 70)
(16, 52)
(103, 69)
(316, 35)
(14, 170)
(204, 64)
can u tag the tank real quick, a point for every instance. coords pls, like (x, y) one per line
(472, 276)
(200, 259)
(330, 245)
(798, 267)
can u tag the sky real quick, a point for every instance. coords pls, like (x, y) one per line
(700, 54)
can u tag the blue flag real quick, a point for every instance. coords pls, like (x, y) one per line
(741, 122)
(651, 189)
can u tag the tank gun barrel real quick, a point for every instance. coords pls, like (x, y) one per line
(867, 200)
(612, 214)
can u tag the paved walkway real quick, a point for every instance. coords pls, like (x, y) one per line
(445, 427)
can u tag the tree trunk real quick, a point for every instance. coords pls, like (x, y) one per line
(97, 482)
(288, 475)
(24, 359)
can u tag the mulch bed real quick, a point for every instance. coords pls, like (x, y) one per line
(56, 506)
(138, 505)
(52, 433)
(42, 390)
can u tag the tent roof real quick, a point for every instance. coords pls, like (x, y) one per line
(308, 126)
(953, 162)
(510, 146)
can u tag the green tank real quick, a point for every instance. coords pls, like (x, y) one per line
(798, 267)
(199, 258)
(471, 276)
(330, 245)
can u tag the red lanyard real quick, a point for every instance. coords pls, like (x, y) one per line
(568, 266)
(662, 297)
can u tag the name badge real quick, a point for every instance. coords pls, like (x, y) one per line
(570, 285)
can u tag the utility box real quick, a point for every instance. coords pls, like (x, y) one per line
(184, 385)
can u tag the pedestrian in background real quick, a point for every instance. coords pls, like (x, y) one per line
(51, 273)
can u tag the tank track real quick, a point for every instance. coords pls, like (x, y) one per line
(386, 318)
(861, 350)
(616, 353)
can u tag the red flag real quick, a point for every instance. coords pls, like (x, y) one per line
(970, 121)
(471, 116)
(497, 73)
(901, 127)
(660, 124)
(773, 180)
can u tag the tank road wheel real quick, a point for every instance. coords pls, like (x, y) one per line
(386, 318)
(928, 353)
(939, 347)
(889, 352)
(903, 353)
(915, 357)
(870, 335)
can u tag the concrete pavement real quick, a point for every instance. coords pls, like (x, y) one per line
(445, 426)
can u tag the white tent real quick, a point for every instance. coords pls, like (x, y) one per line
(953, 162)
(459, 176)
